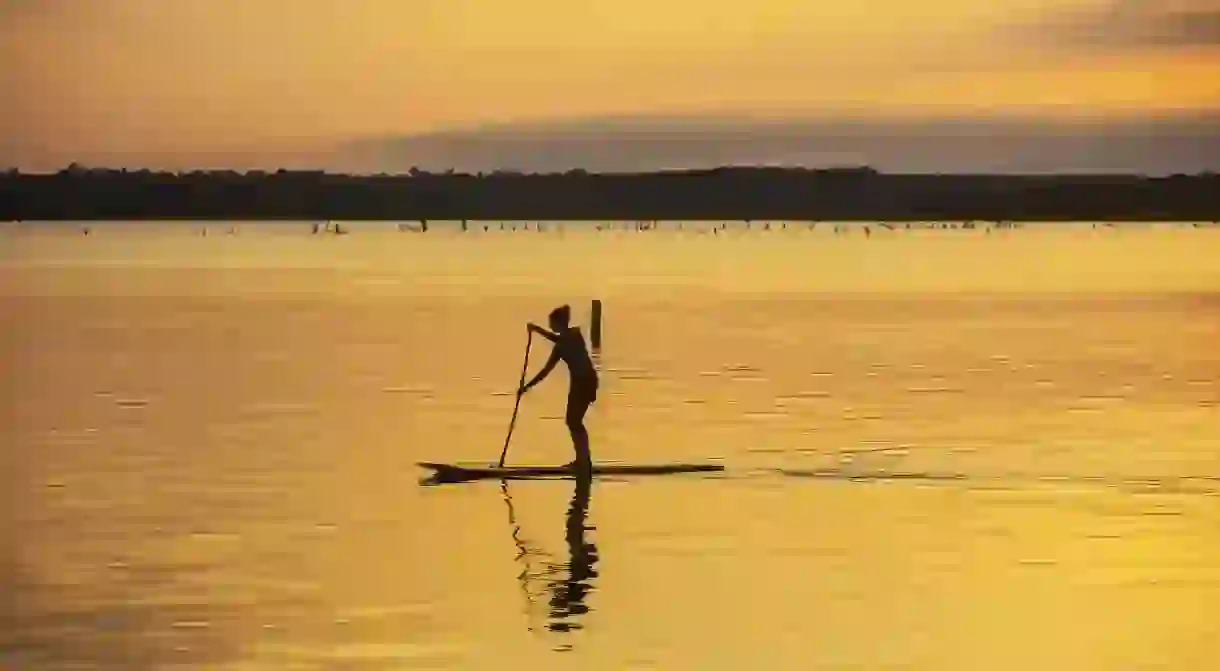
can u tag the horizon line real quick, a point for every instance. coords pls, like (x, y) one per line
(415, 173)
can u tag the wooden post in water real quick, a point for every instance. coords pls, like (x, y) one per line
(595, 326)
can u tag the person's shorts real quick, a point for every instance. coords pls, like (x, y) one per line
(582, 393)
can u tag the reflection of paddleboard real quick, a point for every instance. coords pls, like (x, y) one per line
(460, 473)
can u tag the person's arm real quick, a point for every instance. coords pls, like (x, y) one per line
(534, 328)
(546, 370)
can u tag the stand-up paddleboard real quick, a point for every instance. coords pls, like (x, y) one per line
(464, 473)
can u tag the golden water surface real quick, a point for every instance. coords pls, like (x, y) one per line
(944, 449)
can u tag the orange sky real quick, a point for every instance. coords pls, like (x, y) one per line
(180, 82)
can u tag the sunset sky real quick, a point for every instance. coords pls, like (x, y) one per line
(605, 84)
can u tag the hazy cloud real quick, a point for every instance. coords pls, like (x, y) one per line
(10, 8)
(1184, 143)
(197, 83)
(27, 10)
(1131, 24)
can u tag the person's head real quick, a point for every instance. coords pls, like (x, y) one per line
(560, 317)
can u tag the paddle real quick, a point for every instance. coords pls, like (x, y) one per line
(529, 339)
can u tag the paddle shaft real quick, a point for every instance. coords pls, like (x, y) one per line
(525, 365)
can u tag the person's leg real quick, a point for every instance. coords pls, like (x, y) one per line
(578, 404)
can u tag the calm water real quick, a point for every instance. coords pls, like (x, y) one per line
(944, 449)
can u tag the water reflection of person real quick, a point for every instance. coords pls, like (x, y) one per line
(568, 583)
(568, 596)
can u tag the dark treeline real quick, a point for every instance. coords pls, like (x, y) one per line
(719, 194)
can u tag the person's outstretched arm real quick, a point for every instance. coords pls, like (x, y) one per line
(534, 328)
(546, 370)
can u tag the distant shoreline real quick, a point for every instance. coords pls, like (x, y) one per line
(720, 194)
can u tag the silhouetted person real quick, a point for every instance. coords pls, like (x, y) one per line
(582, 391)
(568, 596)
